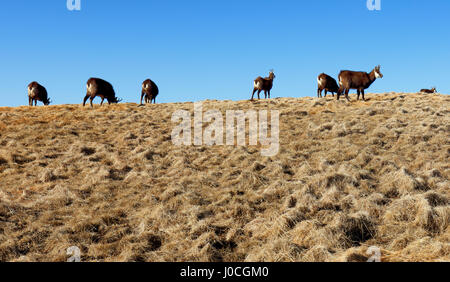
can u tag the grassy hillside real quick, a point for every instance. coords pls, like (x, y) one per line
(109, 181)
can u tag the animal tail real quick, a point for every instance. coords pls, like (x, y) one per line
(321, 80)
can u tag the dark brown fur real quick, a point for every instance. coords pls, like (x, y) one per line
(263, 84)
(149, 91)
(429, 91)
(327, 83)
(357, 80)
(37, 92)
(103, 89)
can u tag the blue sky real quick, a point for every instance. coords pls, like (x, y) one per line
(196, 50)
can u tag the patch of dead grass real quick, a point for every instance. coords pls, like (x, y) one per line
(109, 181)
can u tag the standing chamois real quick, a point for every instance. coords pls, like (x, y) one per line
(357, 80)
(263, 84)
(327, 83)
(37, 92)
(429, 91)
(103, 89)
(149, 91)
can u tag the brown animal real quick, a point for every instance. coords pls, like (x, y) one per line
(37, 92)
(149, 91)
(327, 83)
(357, 80)
(263, 84)
(103, 89)
(429, 91)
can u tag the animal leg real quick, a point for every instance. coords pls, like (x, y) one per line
(253, 94)
(259, 91)
(341, 90)
(269, 94)
(346, 94)
(362, 91)
(319, 93)
(326, 92)
(30, 101)
(85, 99)
(359, 93)
(91, 99)
(103, 99)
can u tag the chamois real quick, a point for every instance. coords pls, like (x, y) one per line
(263, 84)
(149, 91)
(37, 92)
(103, 89)
(429, 91)
(357, 80)
(327, 83)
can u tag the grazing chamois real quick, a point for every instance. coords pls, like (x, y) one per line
(103, 89)
(429, 91)
(37, 92)
(357, 80)
(263, 84)
(326, 83)
(149, 91)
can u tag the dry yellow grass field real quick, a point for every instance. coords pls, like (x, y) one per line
(109, 181)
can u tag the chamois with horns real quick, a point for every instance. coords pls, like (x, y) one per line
(357, 80)
(327, 83)
(103, 89)
(429, 91)
(263, 84)
(149, 91)
(37, 92)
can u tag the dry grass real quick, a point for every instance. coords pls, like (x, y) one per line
(108, 180)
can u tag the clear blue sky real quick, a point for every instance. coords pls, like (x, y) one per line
(211, 49)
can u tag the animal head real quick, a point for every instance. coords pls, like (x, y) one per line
(377, 72)
(271, 74)
(47, 102)
(115, 100)
(434, 90)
